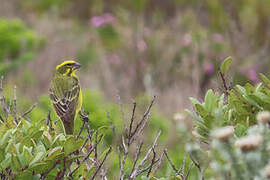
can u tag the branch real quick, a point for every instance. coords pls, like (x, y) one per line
(101, 164)
(15, 106)
(138, 167)
(138, 152)
(132, 119)
(152, 162)
(170, 162)
(224, 83)
(122, 112)
(144, 116)
(29, 110)
(85, 119)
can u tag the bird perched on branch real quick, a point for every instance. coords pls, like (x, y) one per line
(65, 93)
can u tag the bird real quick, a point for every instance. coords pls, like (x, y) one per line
(65, 93)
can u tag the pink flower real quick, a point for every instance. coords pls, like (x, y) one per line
(109, 18)
(98, 21)
(209, 68)
(131, 71)
(114, 59)
(142, 46)
(218, 38)
(142, 63)
(187, 40)
(252, 75)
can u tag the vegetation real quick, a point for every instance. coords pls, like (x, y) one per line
(18, 44)
(131, 51)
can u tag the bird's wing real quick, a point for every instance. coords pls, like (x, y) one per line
(64, 93)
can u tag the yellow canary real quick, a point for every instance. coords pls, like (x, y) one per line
(65, 93)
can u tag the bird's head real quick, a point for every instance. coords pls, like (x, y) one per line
(68, 68)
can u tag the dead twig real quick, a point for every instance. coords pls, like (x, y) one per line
(129, 138)
(140, 165)
(15, 105)
(122, 112)
(101, 164)
(29, 110)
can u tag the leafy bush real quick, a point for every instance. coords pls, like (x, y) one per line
(233, 132)
(18, 44)
(42, 133)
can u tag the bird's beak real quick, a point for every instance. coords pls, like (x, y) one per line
(76, 65)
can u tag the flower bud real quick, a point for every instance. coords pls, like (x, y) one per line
(263, 117)
(267, 171)
(224, 134)
(249, 143)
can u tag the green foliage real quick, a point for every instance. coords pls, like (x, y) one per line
(244, 102)
(225, 65)
(31, 149)
(209, 114)
(17, 44)
(242, 159)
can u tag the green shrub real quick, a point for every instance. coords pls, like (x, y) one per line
(18, 44)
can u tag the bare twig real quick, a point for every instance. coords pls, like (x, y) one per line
(79, 163)
(122, 113)
(43, 175)
(85, 119)
(224, 83)
(169, 160)
(119, 162)
(140, 165)
(3, 100)
(145, 169)
(188, 172)
(159, 163)
(111, 123)
(96, 142)
(123, 162)
(182, 166)
(149, 151)
(137, 155)
(152, 162)
(144, 117)
(132, 119)
(15, 105)
(198, 166)
(129, 138)
(49, 120)
(29, 110)
(1, 84)
(101, 164)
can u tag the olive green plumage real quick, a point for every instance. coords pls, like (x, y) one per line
(65, 93)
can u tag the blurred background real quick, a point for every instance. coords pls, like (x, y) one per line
(135, 49)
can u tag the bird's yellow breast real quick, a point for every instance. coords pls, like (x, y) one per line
(79, 102)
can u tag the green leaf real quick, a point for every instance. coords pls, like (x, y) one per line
(225, 65)
(27, 152)
(15, 163)
(4, 164)
(240, 130)
(194, 101)
(81, 172)
(26, 175)
(265, 80)
(5, 137)
(201, 110)
(54, 152)
(37, 158)
(72, 145)
(209, 101)
(41, 167)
